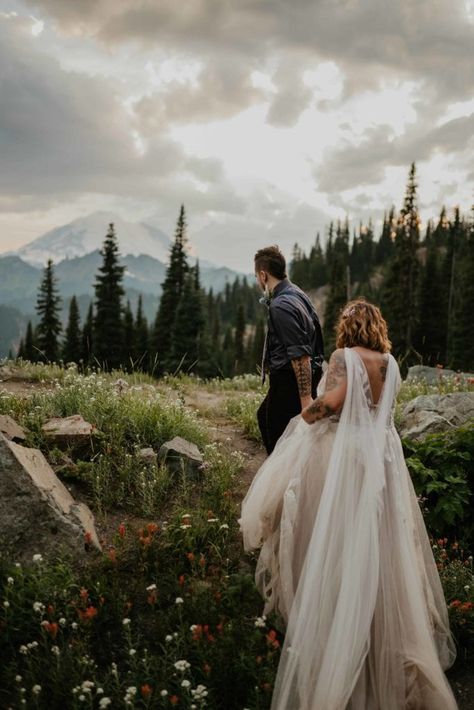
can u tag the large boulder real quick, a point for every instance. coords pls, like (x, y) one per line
(430, 414)
(181, 455)
(11, 429)
(37, 512)
(69, 432)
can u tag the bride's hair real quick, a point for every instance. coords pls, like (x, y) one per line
(361, 323)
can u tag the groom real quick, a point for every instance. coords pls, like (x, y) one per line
(293, 351)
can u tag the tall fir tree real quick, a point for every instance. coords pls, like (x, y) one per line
(187, 328)
(400, 288)
(86, 355)
(108, 334)
(141, 338)
(429, 338)
(461, 352)
(30, 351)
(72, 342)
(239, 341)
(129, 337)
(48, 307)
(338, 285)
(173, 287)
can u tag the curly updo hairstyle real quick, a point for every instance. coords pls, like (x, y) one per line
(362, 324)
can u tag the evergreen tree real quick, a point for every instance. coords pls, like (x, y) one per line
(129, 336)
(87, 338)
(72, 343)
(239, 343)
(461, 355)
(187, 328)
(141, 337)
(385, 245)
(173, 288)
(430, 337)
(47, 307)
(108, 334)
(30, 350)
(21, 350)
(257, 345)
(400, 286)
(338, 285)
(450, 267)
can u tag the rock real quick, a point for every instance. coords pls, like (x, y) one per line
(430, 414)
(37, 512)
(69, 432)
(147, 456)
(181, 455)
(11, 429)
(433, 375)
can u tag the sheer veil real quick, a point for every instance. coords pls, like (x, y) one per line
(367, 624)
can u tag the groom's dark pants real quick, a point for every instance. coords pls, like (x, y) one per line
(281, 404)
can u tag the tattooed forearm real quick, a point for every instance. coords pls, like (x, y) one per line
(336, 371)
(318, 409)
(302, 368)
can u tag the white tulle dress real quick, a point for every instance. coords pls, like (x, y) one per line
(346, 560)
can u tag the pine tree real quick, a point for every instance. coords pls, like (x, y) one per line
(461, 355)
(430, 337)
(400, 286)
(47, 307)
(72, 343)
(187, 328)
(385, 245)
(141, 337)
(108, 332)
(87, 338)
(239, 343)
(173, 287)
(338, 285)
(30, 351)
(21, 350)
(450, 267)
(257, 345)
(129, 336)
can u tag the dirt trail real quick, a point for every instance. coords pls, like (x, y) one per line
(210, 406)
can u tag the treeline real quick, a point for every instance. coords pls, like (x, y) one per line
(193, 331)
(423, 283)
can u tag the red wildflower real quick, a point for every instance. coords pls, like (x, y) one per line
(51, 628)
(174, 700)
(272, 639)
(145, 540)
(87, 538)
(90, 612)
(83, 593)
(455, 603)
(220, 628)
(190, 556)
(259, 660)
(206, 668)
(152, 597)
(146, 690)
(467, 606)
(202, 561)
(50, 609)
(197, 632)
(112, 555)
(181, 580)
(122, 530)
(152, 528)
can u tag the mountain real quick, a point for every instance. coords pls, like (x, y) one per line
(86, 234)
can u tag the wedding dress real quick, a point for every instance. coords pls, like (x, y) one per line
(346, 560)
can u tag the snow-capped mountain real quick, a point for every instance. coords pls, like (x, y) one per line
(86, 234)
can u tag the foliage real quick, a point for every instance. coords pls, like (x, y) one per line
(441, 467)
(47, 307)
(243, 410)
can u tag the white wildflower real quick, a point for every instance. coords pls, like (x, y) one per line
(37, 557)
(105, 702)
(36, 689)
(179, 600)
(182, 666)
(126, 621)
(185, 683)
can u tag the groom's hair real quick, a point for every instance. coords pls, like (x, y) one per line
(272, 260)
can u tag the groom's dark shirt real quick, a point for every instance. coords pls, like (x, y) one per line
(294, 329)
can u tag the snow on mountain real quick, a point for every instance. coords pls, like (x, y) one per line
(86, 234)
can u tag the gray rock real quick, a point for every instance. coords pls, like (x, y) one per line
(11, 429)
(181, 455)
(430, 414)
(433, 375)
(148, 456)
(69, 432)
(37, 512)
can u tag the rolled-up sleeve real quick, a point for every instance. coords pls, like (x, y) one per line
(293, 330)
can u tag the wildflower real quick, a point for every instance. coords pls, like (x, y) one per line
(87, 538)
(37, 558)
(132, 652)
(10, 580)
(179, 600)
(224, 526)
(100, 691)
(182, 666)
(151, 588)
(168, 638)
(126, 621)
(190, 556)
(146, 690)
(36, 689)
(185, 526)
(455, 603)
(186, 683)
(122, 530)
(62, 621)
(55, 650)
(163, 693)
(152, 528)
(74, 625)
(23, 650)
(6, 604)
(213, 520)
(260, 622)
(112, 555)
(272, 639)
(181, 580)
(105, 702)
(38, 606)
(174, 700)
(467, 588)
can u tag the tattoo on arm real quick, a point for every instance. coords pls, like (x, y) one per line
(319, 409)
(302, 368)
(337, 371)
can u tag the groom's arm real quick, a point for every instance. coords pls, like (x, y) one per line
(302, 369)
(333, 398)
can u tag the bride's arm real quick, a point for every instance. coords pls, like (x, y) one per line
(333, 398)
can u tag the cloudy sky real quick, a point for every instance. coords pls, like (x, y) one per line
(267, 118)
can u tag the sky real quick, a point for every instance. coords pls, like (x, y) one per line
(266, 118)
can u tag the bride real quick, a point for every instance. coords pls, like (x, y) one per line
(345, 557)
